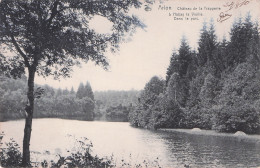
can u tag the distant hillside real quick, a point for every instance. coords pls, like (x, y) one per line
(115, 98)
(53, 103)
(64, 103)
(114, 105)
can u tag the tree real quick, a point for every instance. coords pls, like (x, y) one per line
(178, 83)
(88, 106)
(81, 91)
(207, 45)
(244, 41)
(212, 43)
(72, 91)
(49, 37)
(178, 89)
(220, 57)
(151, 91)
(173, 67)
(193, 65)
(65, 91)
(143, 113)
(172, 87)
(88, 91)
(202, 55)
(59, 92)
(184, 57)
(236, 110)
(207, 92)
(180, 62)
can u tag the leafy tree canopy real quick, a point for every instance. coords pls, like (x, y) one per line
(50, 36)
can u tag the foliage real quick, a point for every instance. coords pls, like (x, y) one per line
(13, 98)
(118, 113)
(52, 103)
(207, 44)
(48, 33)
(49, 37)
(166, 113)
(80, 93)
(148, 98)
(184, 57)
(115, 98)
(239, 117)
(237, 101)
(63, 103)
(111, 99)
(216, 87)
(85, 91)
(173, 67)
(178, 89)
(208, 91)
(151, 91)
(243, 34)
(10, 156)
(82, 157)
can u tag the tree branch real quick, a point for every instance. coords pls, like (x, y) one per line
(15, 43)
(54, 12)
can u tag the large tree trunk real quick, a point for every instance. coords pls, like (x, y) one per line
(28, 119)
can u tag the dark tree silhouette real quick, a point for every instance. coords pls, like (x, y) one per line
(88, 91)
(173, 67)
(80, 91)
(184, 57)
(207, 44)
(49, 37)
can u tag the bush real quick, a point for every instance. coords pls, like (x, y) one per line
(198, 117)
(10, 155)
(237, 118)
(82, 157)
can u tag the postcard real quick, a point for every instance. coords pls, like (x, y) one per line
(129, 83)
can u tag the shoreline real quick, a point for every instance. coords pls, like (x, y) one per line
(247, 137)
(195, 131)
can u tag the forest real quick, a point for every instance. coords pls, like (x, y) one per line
(81, 104)
(215, 86)
(114, 105)
(61, 103)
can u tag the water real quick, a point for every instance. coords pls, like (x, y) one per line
(173, 149)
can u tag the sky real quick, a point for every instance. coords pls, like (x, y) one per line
(148, 52)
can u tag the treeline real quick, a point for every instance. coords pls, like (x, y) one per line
(60, 103)
(63, 103)
(213, 87)
(115, 105)
(12, 97)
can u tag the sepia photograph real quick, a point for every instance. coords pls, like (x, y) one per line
(130, 83)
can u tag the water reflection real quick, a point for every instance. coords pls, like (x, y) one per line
(173, 149)
(210, 151)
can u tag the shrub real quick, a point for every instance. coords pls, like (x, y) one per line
(237, 118)
(10, 155)
(82, 157)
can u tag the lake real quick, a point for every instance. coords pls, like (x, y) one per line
(171, 149)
